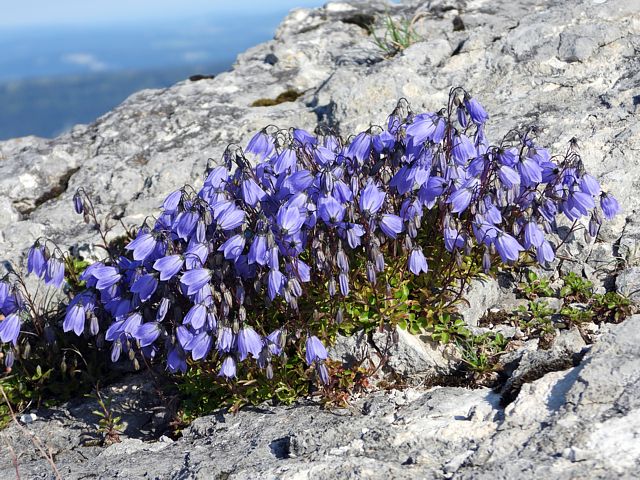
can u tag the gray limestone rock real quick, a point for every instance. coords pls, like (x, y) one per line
(566, 350)
(629, 245)
(409, 355)
(628, 283)
(481, 296)
(571, 423)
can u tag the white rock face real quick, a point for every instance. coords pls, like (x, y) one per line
(628, 283)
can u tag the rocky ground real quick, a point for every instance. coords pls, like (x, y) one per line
(572, 67)
(580, 422)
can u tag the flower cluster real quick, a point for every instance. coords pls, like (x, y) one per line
(10, 307)
(45, 265)
(295, 210)
(14, 307)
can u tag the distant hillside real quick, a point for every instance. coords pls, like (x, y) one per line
(55, 77)
(48, 106)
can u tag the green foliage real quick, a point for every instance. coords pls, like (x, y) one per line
(612, 307)
(580, 306)
(202, 391)
(74, 268)
(47, 374)
(535, 318)
(480, 352)
(408, 301)
(18, 393)
(344, 383)
(577, 315)
(576, 288)
(109, 424)
(398, 35)
(401, 299)
(402, 303)
(535, 287)
(446, 328)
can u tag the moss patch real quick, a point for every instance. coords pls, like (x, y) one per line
(286, 96)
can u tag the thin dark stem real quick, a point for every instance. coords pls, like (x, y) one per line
(46, 453)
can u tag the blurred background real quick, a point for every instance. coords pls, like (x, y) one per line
(65, 62)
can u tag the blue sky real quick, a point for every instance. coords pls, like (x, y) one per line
(29, 13)
(65, 62)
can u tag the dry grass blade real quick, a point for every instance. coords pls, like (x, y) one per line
(34, 439)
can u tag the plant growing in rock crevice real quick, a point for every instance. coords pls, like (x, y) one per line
(397, 35)
(109, 424)
(535, 287)
(300, 236)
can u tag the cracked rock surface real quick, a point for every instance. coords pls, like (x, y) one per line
(582, 422)
(570, 66)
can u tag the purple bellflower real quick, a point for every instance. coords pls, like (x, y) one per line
(258, 250)
(194, 280)
(360, 147)
(315, 350)
(252, 193)
(168, 266)
(544, 253)
(609, 205)
(74, 319)
(196, 316)
(10, 329)
(106, 276)
(261, 145)
(533, 236)
(426, 126)
(508, 247)
(290, 220)
(142, 246)
(145, 286)
(249, 342)
(463, 149)
(391, 225)
(476, 111)
(228, 368)
(147, 333)
(54, 273)
(371, 199)
(200, 345)
(230, 218)
(417, 262)
(176, 361)
(233, 247)
(36, 263)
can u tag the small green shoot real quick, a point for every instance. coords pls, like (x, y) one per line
(576, 288)
(480, 352)
(535, 287)
(612, 307)
(535, 318)
(109, 424)
(398, 35)
(447, 329)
